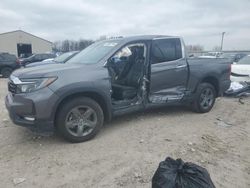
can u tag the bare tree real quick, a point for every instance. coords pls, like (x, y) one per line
(194, 48)
(57, 46)
(65, 46)
(103, 37)
(83, 44)
(216, 48)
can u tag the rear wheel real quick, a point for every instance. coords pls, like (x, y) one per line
(205, 98)
(6, 72)
(80, 119)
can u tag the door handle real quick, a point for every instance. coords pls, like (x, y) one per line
(180, 66)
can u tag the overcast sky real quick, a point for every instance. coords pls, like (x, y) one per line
(198, 21)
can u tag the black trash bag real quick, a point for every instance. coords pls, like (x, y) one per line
(177, 174)
(243, 91)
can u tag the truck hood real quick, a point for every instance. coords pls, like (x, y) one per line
(49, 62)
(50, 70)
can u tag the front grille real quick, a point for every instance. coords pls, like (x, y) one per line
(12, 87)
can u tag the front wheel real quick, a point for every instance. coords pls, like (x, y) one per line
(205, 98)
(80, 119)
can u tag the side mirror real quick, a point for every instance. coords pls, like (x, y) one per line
(112, 59)
(109, 62)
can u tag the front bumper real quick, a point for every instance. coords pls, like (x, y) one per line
(33, 110)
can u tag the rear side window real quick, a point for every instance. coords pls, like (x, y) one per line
(12, 57)
(52, 55)
(38, 57)
(7, 57)
(45, 56)
(164, 50)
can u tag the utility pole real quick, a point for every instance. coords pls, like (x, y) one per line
(222, 38)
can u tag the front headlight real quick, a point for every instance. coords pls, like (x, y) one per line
(33, 84)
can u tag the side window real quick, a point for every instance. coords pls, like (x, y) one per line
(45, 56)
(5, 56)
(12, 57)
(38, 57)
(8, 57)
(164, 50)
(52, 55)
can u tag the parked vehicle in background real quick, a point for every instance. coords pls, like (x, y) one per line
(25, 55)
(110, 78)
(8, 63)
(36, 58)
(241, 70)
(234, 57)
(50, 59)
(211, 55)
(59, 59)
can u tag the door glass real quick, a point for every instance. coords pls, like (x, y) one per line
(164, 50)
(38, 57)
(45, 56)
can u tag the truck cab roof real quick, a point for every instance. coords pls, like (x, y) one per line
(142, 37)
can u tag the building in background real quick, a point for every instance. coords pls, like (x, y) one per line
(22, 43)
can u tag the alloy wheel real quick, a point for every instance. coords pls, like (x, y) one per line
(81, 121)
(206, 98)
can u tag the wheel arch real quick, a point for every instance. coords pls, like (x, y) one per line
(213, 81)
(4, 67)
(96, 96)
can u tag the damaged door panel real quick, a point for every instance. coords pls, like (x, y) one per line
(169, 71)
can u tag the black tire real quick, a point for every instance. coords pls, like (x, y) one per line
(204, 98)
(66, 115)
(6, 72)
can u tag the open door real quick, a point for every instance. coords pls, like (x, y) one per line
(126, 68)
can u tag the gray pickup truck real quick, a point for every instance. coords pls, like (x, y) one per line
(111, 78)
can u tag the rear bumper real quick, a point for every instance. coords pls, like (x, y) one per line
(33, 110)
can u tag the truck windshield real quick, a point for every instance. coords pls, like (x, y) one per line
(94, 53)
(63, 57)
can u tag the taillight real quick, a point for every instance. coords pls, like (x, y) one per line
(18, 62)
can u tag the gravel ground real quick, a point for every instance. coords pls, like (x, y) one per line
(127, 151)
